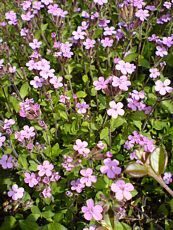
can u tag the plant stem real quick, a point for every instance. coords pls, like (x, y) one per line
(159, 179)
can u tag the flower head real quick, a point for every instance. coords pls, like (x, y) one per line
(163, 87)
(110, 168)
(16, 193)
(115, 109)
(92, 211)
(122, 190)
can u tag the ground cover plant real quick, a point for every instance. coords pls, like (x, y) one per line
(86, 118)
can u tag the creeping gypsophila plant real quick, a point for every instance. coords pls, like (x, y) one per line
(86, 98)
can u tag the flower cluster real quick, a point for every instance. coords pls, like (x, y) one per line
(43, 178)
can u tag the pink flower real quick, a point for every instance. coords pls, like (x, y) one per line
(6, 162)
(142, 14)
(87, 178)
(101, 145)
(1, 63)
(11, 17)
(27, 17)
(80, 147)
(16, 193)
(56, 82)
(101, 83)
(47, 192)
(110, 168)
(89, 43)
(8, 123)
(92, 211)
(45, 73)
(35, 44)
(163, 87)
(100, 2)
(79, 34)
(121, 82)
(77, 186)
(125, 67)
(37, 82)
(82, 107)
(47, 2)
(154, 73)
(45, 169)
(30, 179)
(122, 190)
(115, 109)
(107, 42)
(2, 139)
(108, 31)
(63, 99)
(168, 177)
(27, 132)
(161, 51)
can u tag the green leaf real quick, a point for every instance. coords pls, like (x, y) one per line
(22, 160)
(115, 123)
(131, 57)
(136, 170)
(121, 226)
(29, 225)
(158, 160)
(15, 103)
(9, 223)
(81, 94)
(44, 27)
(24, 90)
(54, 226)
(143, 62)
(104, 135)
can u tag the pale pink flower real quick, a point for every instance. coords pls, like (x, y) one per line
(163, 87)
(101, 83)
(30, 179)
(92, 211)
(154, 73)
(107, 42)
(35, 44)
(77, 186)
(81, 147)
(89, 43)
(121, 82)
(168, 177)
(100, 2)
(161, 51)
(108, 31)
(87, 178)
(7, 162)
(56, 82)
(47, 192)
(82, 107)
(37, 82)
(115, 109)
(79, 34)
(125, 67)
(27, 132)
(122, 190)
(2, 139)
(110, 168)
(16, 193)
(47, 2)
(45, 73)
(142, 14)
(45, 169)
(101, 145)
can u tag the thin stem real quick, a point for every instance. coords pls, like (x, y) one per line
(159, 179)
